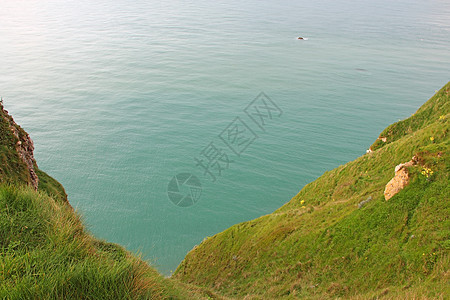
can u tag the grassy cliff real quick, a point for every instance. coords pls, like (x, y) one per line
(16, 159)
(339, 237)
(45, 251)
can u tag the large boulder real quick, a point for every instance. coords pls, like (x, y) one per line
(400, 180)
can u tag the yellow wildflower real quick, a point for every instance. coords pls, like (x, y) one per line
(432, 138)
(427, 172)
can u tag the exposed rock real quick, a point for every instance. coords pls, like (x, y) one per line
(24, 147)
(381, 138)
(404, 165)
(362, 203)
(400, 180)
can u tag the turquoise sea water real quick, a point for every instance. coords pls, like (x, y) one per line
(120, 96)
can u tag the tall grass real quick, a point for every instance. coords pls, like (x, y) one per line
(321, 244)
(45, 253)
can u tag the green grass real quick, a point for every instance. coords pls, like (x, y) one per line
(437, 107)
(45, 253)
(318, 245)
(12, 169)
(321, 245)
(51, 186)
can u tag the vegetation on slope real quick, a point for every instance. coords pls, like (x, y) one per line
(45, 252)
(13, 169)
(322, 244)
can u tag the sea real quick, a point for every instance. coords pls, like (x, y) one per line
(170, 121)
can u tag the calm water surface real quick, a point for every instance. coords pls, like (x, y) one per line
(120, 96)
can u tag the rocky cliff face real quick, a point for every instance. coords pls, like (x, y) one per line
(17, 163)
(24, 147)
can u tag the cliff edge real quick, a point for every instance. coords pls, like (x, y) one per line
(17, 163)
(339, 237)
(45, 250)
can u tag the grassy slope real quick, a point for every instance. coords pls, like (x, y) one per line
(320, 244)
(45, 252)
(13, 170)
